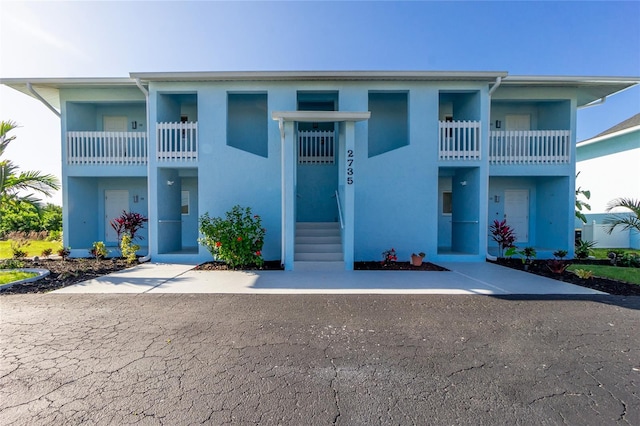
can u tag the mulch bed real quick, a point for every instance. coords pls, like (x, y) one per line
(396, 266)
(65, 272)
(539, 267)
(270, 265)
(71, 271)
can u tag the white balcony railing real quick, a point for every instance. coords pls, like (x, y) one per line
(316, 147)
(529, 146)
(177, 141)
(112, 148)
(459, 140)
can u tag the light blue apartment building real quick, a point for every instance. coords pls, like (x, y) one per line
(340, 165)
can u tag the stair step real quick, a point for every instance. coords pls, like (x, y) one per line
(318, 248)
(317, 225)
(318, 256)
(318, 266)
(312, 232)
(318, 239)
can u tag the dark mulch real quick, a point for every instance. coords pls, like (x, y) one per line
(269, 265)
(539, 267)
(65, 272)
(396, 266)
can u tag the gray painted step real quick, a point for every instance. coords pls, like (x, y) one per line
(319, 248)
(319, 239)
(318, 256)
(318, 266)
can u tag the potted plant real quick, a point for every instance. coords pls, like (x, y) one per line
(416, 259)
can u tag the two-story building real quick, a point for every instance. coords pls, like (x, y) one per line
(340, 165)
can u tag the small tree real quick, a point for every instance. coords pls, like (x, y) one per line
(502, 234)
(236, 240)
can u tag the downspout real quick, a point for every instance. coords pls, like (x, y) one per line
(41, 99)
(146, 97)
(594, 103)
(491, 91)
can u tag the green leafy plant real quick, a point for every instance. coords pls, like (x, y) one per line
(581, 204)
(47, 252)
(584, 274)
(11, 264)
(526, 254)
(560, 254)
(236, 240)
(128, 249)
(502, 234)
(98, 250)
(583, 248)
(18, 248)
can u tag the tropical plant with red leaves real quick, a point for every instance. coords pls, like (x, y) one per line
(502, 234)
(129, 223)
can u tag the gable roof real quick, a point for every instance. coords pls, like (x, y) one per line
(626, 124)
(629, 125)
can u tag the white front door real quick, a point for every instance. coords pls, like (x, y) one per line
(516, 211)
(517, 122)
(115, 202)
(111, 123)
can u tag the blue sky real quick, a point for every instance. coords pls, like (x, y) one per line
(111, 39)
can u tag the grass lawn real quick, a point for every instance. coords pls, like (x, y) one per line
(629, 275)
(34, 248)
(9, 277)
(601, 253)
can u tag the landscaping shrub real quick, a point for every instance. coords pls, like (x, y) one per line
(236, 240)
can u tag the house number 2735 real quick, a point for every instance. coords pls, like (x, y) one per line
(350, 167)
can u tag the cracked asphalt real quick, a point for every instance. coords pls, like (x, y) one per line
(318, 359)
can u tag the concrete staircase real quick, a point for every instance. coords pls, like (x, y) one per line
(318, 247)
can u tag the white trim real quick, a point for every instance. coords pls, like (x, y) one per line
(320, 116)
(608, 136)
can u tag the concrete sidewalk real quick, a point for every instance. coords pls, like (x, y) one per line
(463, 278)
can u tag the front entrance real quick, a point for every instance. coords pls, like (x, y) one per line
(317, 176)
(516, 212)
(115, 202)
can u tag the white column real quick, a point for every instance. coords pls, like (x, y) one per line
(350, 179)
(288, 195)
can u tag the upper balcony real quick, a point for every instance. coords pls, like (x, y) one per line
(529, 146)
(107, 148)
(459, 140)
(177, 141)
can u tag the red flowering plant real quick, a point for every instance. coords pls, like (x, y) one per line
(236, 240)
(502, 234)
(389, 256)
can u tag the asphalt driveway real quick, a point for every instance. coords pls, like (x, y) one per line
(319, 359)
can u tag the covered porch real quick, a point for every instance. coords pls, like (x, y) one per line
(344, 154)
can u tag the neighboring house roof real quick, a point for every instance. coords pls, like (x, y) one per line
(626, 124)
(629, 125)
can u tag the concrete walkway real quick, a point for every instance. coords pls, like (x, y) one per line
(463, 278)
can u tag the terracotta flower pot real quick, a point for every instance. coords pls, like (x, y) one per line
(416, 259)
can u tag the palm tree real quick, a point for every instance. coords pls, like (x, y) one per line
(13, 182)
(628, 221)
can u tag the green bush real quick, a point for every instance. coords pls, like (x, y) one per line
(128, 249)
(98, 250)
(236, 240)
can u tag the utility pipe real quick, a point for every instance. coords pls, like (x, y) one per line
(491, 91)
(495, 86)
(41, 99)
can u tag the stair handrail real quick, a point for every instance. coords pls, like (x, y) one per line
(339, 209)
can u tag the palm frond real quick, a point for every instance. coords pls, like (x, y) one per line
(626, 221)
